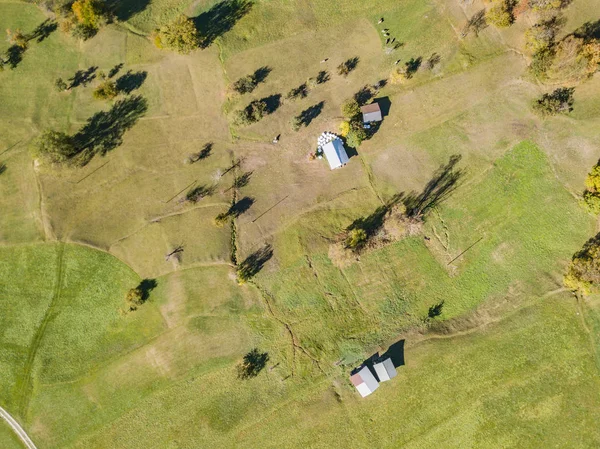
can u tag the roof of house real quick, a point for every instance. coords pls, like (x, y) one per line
(385, 369)
(371, 113)
(364, 381)
(335, 153)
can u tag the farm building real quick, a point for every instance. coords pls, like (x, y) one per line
(385, 369)
(371, 113)
(364, 381)
(335, 153)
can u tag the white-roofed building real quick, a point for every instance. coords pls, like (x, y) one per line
(335, 153)
(364, 381)
(385, 369)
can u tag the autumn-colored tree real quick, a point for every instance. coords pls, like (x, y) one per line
(180, 35)
(583, 273)
(107, 90)
(135, 298)
(591, 195)
(356, 240)
(90, 13)
(500, 15)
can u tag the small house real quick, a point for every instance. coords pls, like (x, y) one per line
(335, 153)
(385, 369)
(364, 381)
(371, 113)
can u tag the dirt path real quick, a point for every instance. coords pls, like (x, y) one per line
(17, 429)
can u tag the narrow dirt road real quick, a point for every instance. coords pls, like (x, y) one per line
(17, 428)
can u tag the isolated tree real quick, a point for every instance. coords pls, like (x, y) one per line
(557, 102)
(252, 113)
(245, 84)
(135, 298)
(583, 273)
(180, 35)
(356, 240)
(252, 364)
(54, 147)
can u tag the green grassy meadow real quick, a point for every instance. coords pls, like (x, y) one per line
(512, 360)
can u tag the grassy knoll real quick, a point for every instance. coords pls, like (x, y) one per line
(78, 373)
(531, 216)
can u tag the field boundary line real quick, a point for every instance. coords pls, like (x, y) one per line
(39, 334)
(16, 427)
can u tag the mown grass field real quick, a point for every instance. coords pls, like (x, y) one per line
(513, 359)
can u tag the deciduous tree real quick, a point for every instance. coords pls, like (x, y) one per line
(180, 35)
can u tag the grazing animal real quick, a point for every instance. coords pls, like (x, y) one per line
(387, 41)
(380, 20)
(397, 62)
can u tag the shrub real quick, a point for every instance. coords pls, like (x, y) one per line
(557, 102)
(180, 35)
(221, 219)
(18, 38)
(355, 137)
(500, 15)
(547, 5)
(357, 238)
(60, 85)
(107, 90)
(54, 147)
(135, 298)
(296, 123)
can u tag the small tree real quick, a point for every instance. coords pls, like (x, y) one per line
(356, 240)
(107, 90)
(54, 147)
(60, 85)
(500, 15)
(221, 219)
(591, 196)
(344, 128)
(252, 113)
(135, 298)
(583, 274)
(180, 35)
(356, 135)
(245, 84)
(557, 102)
(297, 123)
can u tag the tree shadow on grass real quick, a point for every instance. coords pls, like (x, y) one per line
(260, 74)
(272, 103)
(43, 30)
(219, 19)
(255, 262)
(240, 207)
(14, 56)
(2, 167)
(589, 31)
(311, 113)
(373, 222)
(146, 286)
(435, 310)
(83, 77)
(104, 131)
(126, 9)
(197, 193)
(443, 183)
(131, 81)
(253, 363)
